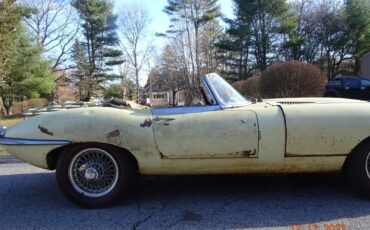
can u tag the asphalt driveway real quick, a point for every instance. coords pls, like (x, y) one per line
(31, 199)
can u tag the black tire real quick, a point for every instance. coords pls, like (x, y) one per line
(89, 179)
(357, 169)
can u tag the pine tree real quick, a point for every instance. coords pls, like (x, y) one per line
(10, 21)
(100, 40)
(193, 15)
(23, 71)
(358, 20)
(81, 69)
(268, 20)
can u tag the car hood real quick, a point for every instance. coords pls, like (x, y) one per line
(310, 100)
(81, 124)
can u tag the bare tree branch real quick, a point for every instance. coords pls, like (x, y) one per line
(54, 26)
(133, 24)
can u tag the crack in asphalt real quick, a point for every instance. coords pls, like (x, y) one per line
(136, 225)
(166, 202)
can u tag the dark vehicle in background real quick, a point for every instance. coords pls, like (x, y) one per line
(348, 87)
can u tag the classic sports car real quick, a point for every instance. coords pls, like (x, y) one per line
(98, 152)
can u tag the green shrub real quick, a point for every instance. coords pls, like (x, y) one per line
(291, 79)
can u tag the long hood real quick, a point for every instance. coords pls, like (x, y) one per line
(85, 124)
(311, 100)
(125, 128)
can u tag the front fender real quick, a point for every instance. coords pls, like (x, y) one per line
(126, 128)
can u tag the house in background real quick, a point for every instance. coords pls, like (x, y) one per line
(65, 89)
(158, 94)
(365, 65)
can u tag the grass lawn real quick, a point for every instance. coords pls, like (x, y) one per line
(8, 123)
(2, 152)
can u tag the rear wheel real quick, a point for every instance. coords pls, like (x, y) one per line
(95, 176)
(358, 169)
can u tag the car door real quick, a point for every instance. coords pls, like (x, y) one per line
(214, 134)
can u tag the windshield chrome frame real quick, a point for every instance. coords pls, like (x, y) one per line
(206, 87)
(217, 97)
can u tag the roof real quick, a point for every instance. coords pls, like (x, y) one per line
(160, 84)
(157, 86)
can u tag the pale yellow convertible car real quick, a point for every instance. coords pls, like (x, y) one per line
(98, 152)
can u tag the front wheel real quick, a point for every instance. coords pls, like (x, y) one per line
(358, 169)
(95, 176)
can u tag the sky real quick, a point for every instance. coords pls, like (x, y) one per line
(160, 20)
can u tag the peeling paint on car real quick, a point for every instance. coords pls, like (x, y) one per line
(45, 130)
(163, 119)
(114, 133)
(147, 123)
(248, 153)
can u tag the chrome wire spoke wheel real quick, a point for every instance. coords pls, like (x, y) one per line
(93, 172)
(367, 165)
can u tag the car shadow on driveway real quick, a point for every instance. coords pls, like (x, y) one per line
(202, 202)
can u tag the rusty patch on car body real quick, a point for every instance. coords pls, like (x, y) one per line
(163, 119)
(147, 123)
(45, 130)
(248, 153)
(114, 133)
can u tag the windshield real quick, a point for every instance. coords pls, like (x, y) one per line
(224, 92)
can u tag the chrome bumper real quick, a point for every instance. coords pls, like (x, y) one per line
(2, 131)
(18, 141)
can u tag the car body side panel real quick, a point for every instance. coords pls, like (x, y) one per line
(325, 129)
(224, 133)
(35, 155)
(270, 153)
(132, 130)
(128, 129)
(271, 125)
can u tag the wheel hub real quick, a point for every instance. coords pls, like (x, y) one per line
(91, 173)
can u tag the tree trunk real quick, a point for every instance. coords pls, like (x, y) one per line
(137, 85)
(173, 97)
